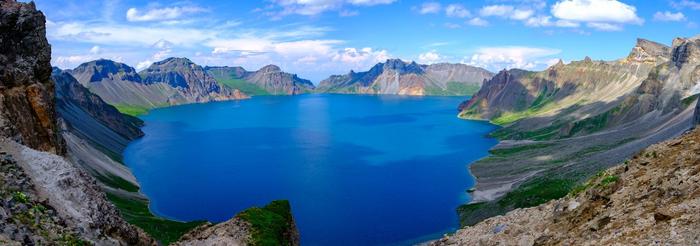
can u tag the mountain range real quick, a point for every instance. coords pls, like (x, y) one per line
(409, 78)
(571, 166)
(562, 125)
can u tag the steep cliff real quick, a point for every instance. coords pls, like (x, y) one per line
(649, 199)
(52, 200)
(268, 80)
(26, 91)
(403, 78)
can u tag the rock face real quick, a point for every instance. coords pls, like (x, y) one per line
(52, 200)
(268, 80)
(26, 91)
(696, 118)
(402, 78)
(169, 82)
(649, 199)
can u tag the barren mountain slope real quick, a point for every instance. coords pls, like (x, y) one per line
(650, 199)
(584, 117)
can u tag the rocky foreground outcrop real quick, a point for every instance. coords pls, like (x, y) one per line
(75, 196)
(269, 225)
(409, 78)
(650, 199)
(27, 112)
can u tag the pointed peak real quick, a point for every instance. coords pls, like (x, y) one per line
(647, 51)
(559, 63)
(271, 69)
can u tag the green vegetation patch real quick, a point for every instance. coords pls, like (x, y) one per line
(537, 192)
(271, 224)
(688, 100)
(543, 99)
(117, 182)
(529, 194)
(244, 86)
(545, 133)
(137, 213)
(453, 89)
(132, 110)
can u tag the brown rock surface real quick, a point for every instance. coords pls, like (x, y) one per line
(26, 92)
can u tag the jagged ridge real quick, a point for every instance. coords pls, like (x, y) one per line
(268, 80)
(398, 77)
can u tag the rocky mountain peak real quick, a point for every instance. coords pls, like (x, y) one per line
(685, 50)
(402, 67)
(559, 64)
(98, 70)
(270, 69)
(174, 62)
(649, 51)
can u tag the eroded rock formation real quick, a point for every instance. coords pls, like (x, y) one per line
(27, 110)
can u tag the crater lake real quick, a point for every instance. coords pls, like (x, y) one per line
(357, 170)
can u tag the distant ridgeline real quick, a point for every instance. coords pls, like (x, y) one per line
(583, 117)
(403, 78)
(175, 81)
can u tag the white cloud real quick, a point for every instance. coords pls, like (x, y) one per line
(73, 60)
(597, 11)
(457, 10)
(686, 4)
(605, 26)
(496, 10)
(546, 21)
(668, 16)
(429, 8)
(362, 57)
(315, 7)
(506, 11)
(452, 25)
(476, 21)
(161, 14)
(125, 35)
(508, 57)
(430, 57)
(348, 13)
(95, 49)
(369, 2)
(163, 50)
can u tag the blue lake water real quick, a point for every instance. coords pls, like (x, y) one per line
(358, 170)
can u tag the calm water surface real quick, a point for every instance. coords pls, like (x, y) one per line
(358, 170)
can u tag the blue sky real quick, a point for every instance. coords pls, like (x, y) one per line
(317, 38)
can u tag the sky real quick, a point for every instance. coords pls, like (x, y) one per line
(318, 38)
